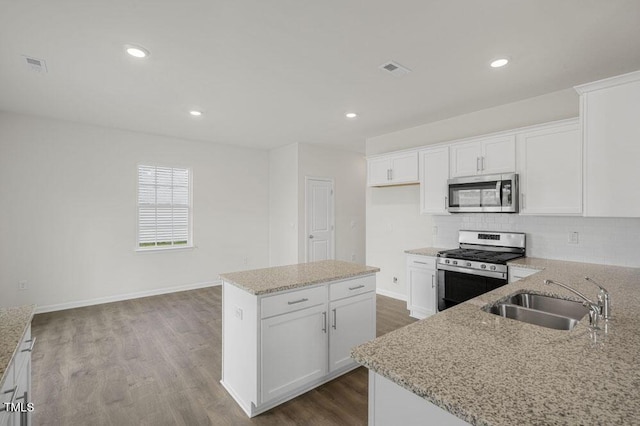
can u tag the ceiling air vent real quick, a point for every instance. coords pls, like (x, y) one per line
(36, 65)
(394, 69)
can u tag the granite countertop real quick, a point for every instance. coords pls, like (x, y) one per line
(13, 324)
(489, 370)
(425, 251)
(279, 278)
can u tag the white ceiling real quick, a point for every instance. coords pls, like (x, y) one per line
(272, 72)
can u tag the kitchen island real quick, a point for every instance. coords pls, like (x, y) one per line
(465, 365)
(289, 329)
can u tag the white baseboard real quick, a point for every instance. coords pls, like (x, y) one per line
(127, 296)
(391, 294)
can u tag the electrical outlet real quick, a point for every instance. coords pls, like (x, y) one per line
(239, 313)
(246, 261)
(22, 285)
(395, 280)
(353, 257)
(573, 238)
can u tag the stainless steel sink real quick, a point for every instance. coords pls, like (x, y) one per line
(548, 304)
(533, 316)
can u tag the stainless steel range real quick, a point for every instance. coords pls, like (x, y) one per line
(478, 266)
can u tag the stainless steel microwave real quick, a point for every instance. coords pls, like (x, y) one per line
(480, 194)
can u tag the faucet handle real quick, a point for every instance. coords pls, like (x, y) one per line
(604, 299)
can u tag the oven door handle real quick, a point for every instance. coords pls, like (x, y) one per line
(483, 273)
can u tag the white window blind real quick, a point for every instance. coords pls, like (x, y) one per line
(164, 207)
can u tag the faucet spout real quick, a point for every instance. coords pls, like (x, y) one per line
(594, 308)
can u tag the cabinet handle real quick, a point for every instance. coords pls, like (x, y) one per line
(477, 164)
(30, 348)
(335, 318)
(304, 299)
(422, 263)
(356, 287)
(324, 322)
(433, 284)
(388, 174)
(445, 202)
(13, 393)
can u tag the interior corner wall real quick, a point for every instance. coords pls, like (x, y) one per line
(283, 205)
(68, 212)
(394, 222)
(348, 171)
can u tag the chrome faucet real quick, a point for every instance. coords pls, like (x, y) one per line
(604, 300)
(594, 308)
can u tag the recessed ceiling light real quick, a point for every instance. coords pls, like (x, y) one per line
(195, 113)
(499, 63)
(137, 51)
(351, 115)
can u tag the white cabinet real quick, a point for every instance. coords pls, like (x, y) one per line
(393, 169)
(16, 390)
(434, 172)
(550, 169)
(279, 345)
(483, 156)
(352, 322)
(294, 351)
(516, 274)
(611, 131)
(422, 286)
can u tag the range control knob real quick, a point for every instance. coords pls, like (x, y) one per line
(446, 261)
(455, 262)
(468, 263)
(483, 266)
(493, 267)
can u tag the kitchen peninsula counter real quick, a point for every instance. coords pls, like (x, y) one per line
(489, 370)
(13, 325)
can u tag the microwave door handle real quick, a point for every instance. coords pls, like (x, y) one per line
(499, 189)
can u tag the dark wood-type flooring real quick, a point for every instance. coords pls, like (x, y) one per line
(157, 361)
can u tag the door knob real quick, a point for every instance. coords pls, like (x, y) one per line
(310, 237)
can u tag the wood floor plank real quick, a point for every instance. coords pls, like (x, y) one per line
(157, 361)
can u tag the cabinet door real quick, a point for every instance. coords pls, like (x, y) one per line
(404, 168)
(294, 351)
(465, 159)
(550, 167)
(612, 148)
(498, 155)
(378, 171)
(352, 322)
(434, 172)
(421, 300)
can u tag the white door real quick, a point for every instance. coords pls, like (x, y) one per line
(352, 322)
(319, 219)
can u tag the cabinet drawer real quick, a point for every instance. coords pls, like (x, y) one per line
(418, 261)
(292, 301)
(352, 287)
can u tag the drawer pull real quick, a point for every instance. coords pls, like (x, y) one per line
(422, 263)
(13, 393)
(30, 348)
(324, 321)
(304, 299)
(335, 319)
(356, 287)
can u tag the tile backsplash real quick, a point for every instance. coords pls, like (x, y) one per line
(613, 241)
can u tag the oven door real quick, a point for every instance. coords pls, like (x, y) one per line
(457, 287)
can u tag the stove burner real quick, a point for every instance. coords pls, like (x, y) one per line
(480, 255)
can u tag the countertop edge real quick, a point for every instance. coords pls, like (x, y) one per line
(17, 346)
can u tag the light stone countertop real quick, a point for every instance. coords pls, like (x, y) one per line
(279, 278)
(13, 324)
(489, 370)
(425, 251)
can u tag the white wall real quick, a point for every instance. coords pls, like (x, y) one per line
(394, 223)
(68, 211)
(348, 171)
(283, 205)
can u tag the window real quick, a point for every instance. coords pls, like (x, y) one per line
(164, 207)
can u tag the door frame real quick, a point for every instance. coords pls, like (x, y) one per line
(332, 213)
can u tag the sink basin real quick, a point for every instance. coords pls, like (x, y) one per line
(548, 304)
(532, 316)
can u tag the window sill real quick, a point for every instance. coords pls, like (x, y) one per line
(160, 249)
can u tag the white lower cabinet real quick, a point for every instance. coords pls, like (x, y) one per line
(422, 286)
(16, 390)
(278, 346)
(294, 351)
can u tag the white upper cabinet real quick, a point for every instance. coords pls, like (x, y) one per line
(484, 156)
(434, 172)
(393, 169)
(610, 111)
(550, 168)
